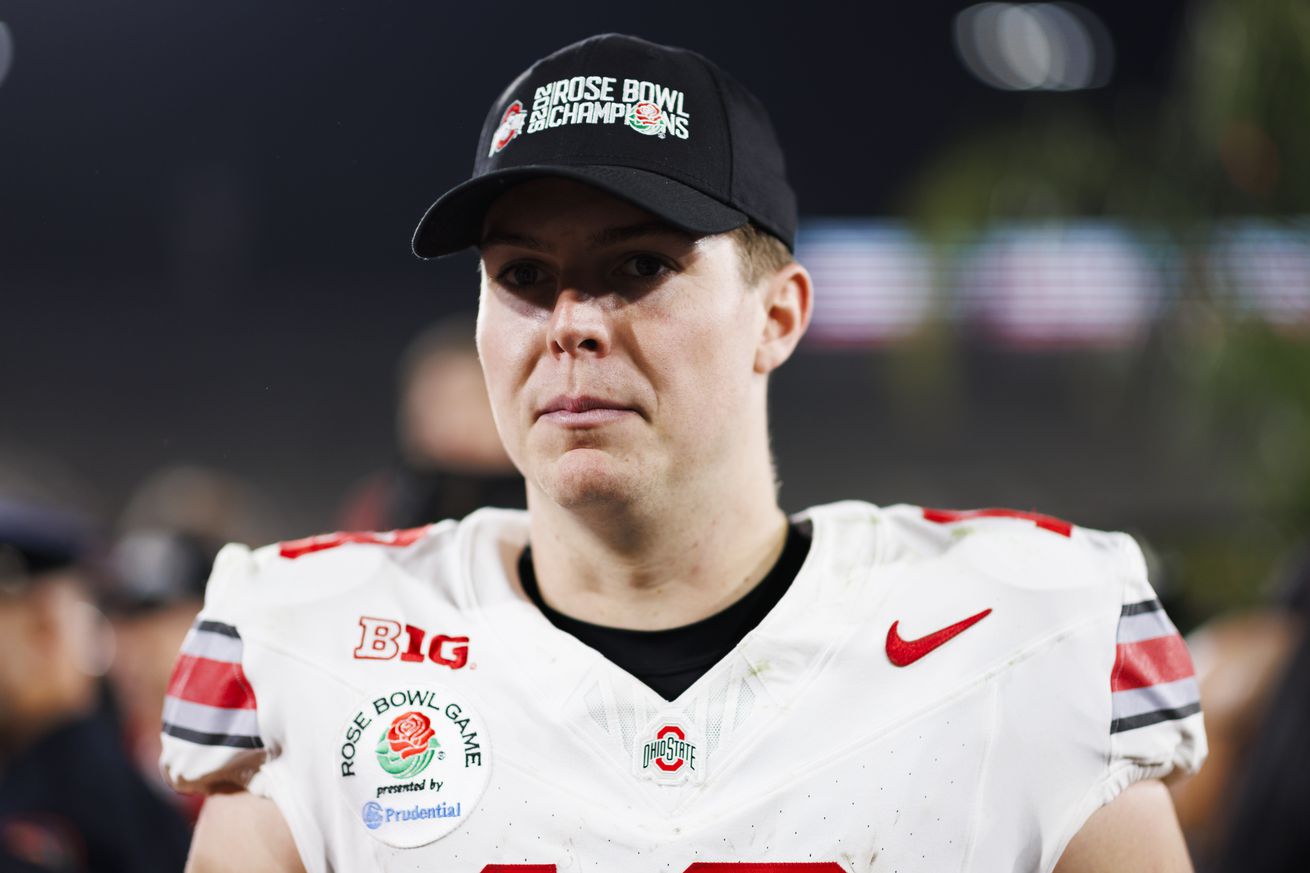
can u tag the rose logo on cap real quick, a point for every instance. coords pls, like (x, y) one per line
(511, 125)
(648, 119)
(406, 748)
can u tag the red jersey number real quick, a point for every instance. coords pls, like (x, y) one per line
(700, 867)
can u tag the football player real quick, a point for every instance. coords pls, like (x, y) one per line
(653, 668)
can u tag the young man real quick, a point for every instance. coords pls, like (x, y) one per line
(654, 669)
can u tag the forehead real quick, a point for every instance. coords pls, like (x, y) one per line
(561, 209)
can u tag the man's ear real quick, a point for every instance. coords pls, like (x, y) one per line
(788, 301)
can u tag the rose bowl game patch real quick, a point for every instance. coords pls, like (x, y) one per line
(412, 763)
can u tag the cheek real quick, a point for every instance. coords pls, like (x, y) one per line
(705, 365)
(505, 351)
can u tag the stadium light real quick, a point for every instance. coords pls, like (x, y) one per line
(6, 51)
(1034, 46)
(874, 281)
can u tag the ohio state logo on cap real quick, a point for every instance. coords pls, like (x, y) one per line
(670, 755)
(511, 125)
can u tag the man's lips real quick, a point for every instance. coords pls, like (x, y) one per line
(583, 410)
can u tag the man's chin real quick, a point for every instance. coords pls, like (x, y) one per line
(589, 477)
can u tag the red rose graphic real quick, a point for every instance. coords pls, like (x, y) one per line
(409, 734)
(647, 113)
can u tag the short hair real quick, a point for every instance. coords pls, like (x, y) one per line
(762, 253)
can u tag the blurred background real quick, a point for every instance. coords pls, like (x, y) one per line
(1062, 255)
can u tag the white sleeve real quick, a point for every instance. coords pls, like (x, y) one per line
(1156, 725)
(211, 738)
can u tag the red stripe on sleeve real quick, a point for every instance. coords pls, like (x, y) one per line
(309, 545)
(1045, 522)
(1150, 662)
(213, 683)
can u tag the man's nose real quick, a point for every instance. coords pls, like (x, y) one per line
(578, 325)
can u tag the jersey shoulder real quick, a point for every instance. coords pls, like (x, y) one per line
(250, 586)
(1020, 548)
(315, 567)
(281, 598)
(1059, 575)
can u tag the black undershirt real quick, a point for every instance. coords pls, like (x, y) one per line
(669, 661)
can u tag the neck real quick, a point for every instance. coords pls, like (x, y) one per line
(657, 566)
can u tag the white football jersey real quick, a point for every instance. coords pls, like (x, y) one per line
(936, 691)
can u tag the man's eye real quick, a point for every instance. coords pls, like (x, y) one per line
(644, 267)
(522, 275)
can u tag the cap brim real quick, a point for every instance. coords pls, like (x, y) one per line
(454, 222)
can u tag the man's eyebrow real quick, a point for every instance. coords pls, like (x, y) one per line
(612, 235)
(506, 238)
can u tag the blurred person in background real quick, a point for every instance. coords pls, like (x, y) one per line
(1248, 809)
(451, 460)
(159, 586)
(70, 798)
(172, 527)
(205, 503)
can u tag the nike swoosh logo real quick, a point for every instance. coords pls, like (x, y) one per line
(903, 653)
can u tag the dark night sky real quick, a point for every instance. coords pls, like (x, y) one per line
(311, 134)
(205, 208)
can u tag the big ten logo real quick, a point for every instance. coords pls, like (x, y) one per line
(379, 640)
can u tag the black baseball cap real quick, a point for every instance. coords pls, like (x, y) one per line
(37, 539)
(663, 128)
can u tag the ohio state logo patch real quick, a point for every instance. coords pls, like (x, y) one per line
(511, 125)
(412, 763)
(669, 753)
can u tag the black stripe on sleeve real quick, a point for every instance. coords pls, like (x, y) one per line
(217, 627)
(1149, 718)
(1138, 608)
(201, 738)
